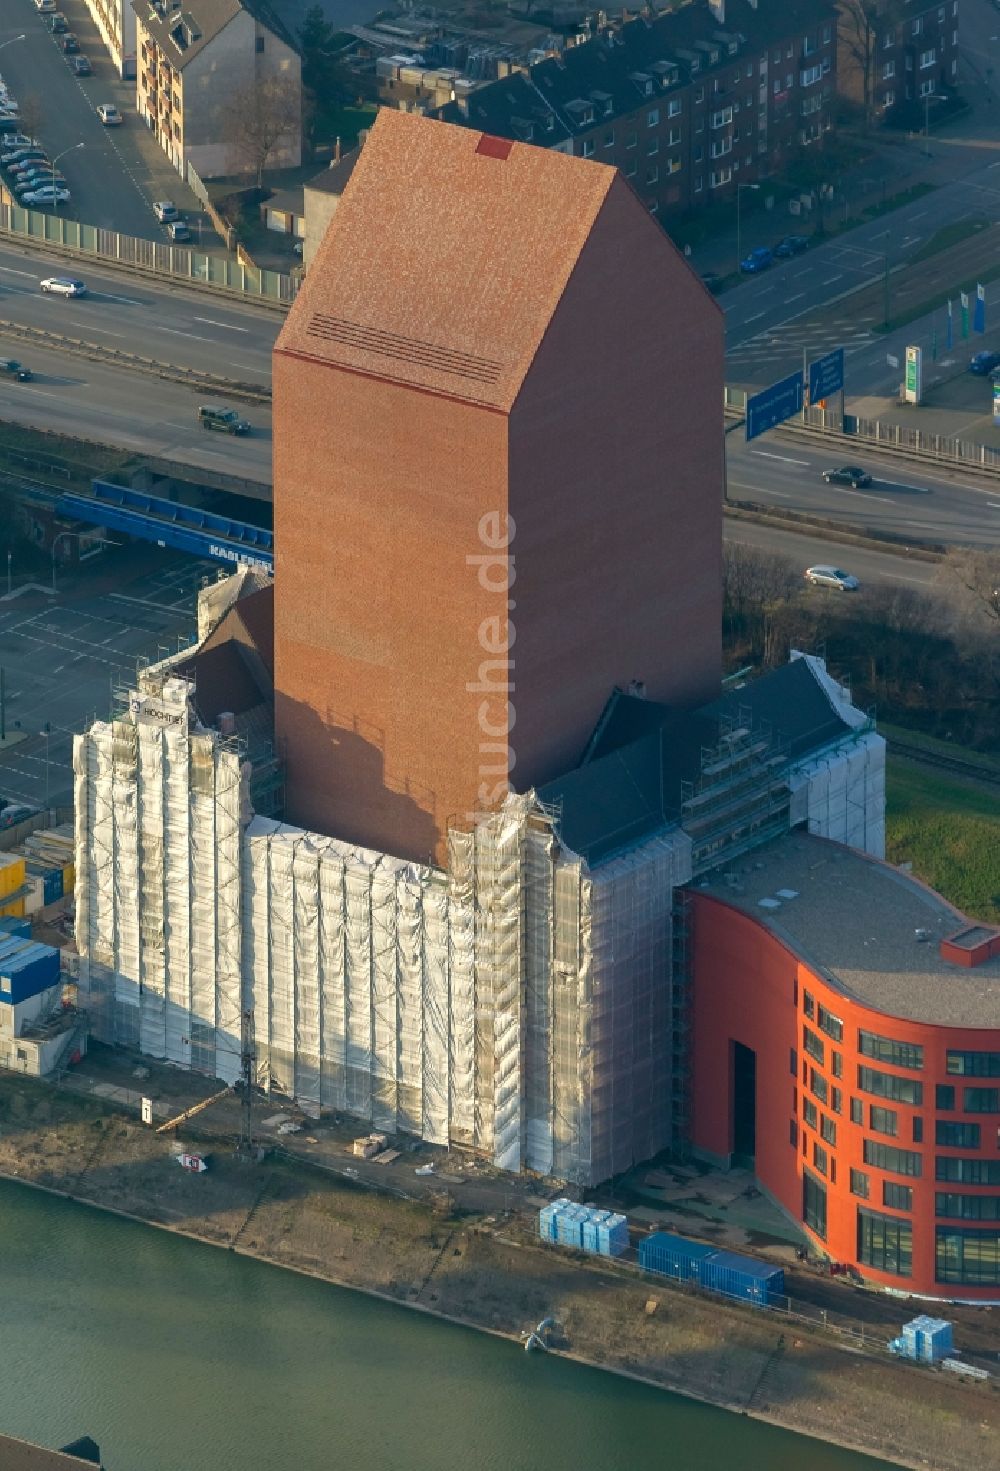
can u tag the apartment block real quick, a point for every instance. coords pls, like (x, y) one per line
(897, 54)
(115, 19)
(191, 63)
(687, 105)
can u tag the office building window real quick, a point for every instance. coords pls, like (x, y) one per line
(828, 1130)
(859, 1184)
(884, 1120)
(944, 1096)
(967, 1256)
(652, 117)
(809, 1005)
(974, 1064)
(819, 1158)
(917, 1129)
(982, 1100)
(837, 1064)
(793, 1062)
(969, 1207)
(956, 1136)
(960, 1171)
(887, 1085)
(857, 1111)
(896, 1054)
(830, 1024)
(813, 1045)
(818, 1084)
(814, 1204)
(888, 1157)
(810, 1113)
(793, 1133)
(897, 1197)
(836, 1100)
(885, 1242)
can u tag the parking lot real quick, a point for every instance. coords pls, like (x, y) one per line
(62, 655)
(118, 173)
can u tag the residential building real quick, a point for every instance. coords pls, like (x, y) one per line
(321, 196)
(115, 19)
(688, 105)
(193, 60)
(898, 55)
(503, 417)
(847, 1041)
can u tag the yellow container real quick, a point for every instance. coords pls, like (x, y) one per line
(11, 873)
(69, 878)
(15, 909)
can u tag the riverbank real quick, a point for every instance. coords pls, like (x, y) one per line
(459, 1268)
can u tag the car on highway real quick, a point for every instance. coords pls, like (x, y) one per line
(45, 194)
(81, 66)
(758, 260)
(178, 231)
(226, 420)
(109, 114)
(63, 286)
(58, 24)
(823, 576)
(984, 362)
(69, 44)
(165, 210)
(17, 370)
(847, 475)
(45, 7)
(791, 245)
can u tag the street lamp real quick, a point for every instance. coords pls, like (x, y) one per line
(739, 197)
(71, 149)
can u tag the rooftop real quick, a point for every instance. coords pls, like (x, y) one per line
(870, 929)
(457, 305)
(182, 31)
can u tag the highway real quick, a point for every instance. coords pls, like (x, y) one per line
(867, 565)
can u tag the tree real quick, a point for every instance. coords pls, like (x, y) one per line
(32, 116)
(256, 119)
(976, 573)
(858, 41)
(316, 37)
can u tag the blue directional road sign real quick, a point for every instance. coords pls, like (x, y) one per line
(826, 375)
(774, 405)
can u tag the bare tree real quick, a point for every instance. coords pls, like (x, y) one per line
(858, 40)
(257, 119)
(975, 573)
(32, 116)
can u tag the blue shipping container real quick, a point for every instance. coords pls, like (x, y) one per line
(26, 968)
(673, 1256)
(10, 925)
(742, 1277)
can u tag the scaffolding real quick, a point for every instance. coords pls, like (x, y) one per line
(740, 797)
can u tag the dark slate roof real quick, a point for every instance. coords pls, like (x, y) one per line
(204, 19)
(609, 73)
(628, 784)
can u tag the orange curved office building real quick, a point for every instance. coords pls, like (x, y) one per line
(846, 1037)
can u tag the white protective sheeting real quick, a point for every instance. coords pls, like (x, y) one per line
(840, 793)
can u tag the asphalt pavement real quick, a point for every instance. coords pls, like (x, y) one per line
(62, 653)
(118, 173)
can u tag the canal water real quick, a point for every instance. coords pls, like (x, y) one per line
(180, 1357)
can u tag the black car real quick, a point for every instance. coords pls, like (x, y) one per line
(59, 25)
(69, 44)
(847, 475)
(81, 66)
(791, 245)
(712, 281)
(15, 369)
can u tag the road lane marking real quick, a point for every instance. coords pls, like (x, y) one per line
(767, 454)
(797, 297)
(755, 318)
(758, 489)
(10, 271)
(105, 330)
(903, 485)
(128, 300)
(832, 279)
(176, 332)
(121, 597)
(993, 505)
(210, 322)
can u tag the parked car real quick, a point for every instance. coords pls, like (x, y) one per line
(21, 151)
(58, 24)
(81, 66)
(791, 245)
(69, 44)
(63, 286)
(848, 475)
(10, 128)
(165, 210)
(16, 370)
(758, 260)
(228, 420)
(45, 194)
(39, 181)
(11, 816)
(45, 7)
(984, 362)
(29, 165)
(178, 231)
(109, 114)
(831, 577)
(711, 280)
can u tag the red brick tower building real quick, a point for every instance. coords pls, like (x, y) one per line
(498, 470)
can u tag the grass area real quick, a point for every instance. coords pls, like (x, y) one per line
(948, 236)
(939, 299)
(344, 123)
(949, 830)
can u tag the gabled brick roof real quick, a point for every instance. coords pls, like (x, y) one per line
(204, 19)
(446, 259)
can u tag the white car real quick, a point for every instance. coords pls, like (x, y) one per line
(109, 114)
(831, 577)
(45, 194)
(45, 7)
(165, 210)
(63, 286)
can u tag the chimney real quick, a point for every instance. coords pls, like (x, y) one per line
(336, 150)
(718, 9)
